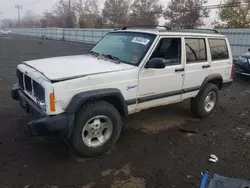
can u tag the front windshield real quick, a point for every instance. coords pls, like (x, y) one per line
(128, 47)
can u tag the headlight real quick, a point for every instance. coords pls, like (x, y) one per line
(249, 60)
(41, 104)
(242, 59)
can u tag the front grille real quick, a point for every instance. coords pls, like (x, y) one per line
(28, 83)
(248, 63)
(20, 78)
(243, 65)
(31, 86)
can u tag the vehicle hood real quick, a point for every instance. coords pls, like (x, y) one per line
(69, 67)
(246, 55)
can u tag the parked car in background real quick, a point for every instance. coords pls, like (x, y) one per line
(242, 65)
(5, 32)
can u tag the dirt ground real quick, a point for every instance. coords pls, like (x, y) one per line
(151, 151)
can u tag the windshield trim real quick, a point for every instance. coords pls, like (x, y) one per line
(146, 51)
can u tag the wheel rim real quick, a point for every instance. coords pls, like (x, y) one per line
(210, 101)
(97, 131)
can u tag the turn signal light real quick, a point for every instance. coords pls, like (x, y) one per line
(232, 70)
(52, 102)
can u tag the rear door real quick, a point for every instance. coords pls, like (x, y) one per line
(197, 65)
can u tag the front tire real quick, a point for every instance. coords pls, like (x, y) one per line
(97, 127)
(204, 103)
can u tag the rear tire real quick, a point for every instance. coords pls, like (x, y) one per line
(204, 103)
(97, 127)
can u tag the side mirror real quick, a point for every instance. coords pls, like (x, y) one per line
(156, 63)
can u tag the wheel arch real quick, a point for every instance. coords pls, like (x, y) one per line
(111, 95)
(215, 79)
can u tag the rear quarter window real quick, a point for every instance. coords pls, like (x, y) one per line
(219, 49)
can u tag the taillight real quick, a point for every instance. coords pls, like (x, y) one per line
(232, 70)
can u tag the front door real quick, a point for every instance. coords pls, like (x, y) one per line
(162, 86)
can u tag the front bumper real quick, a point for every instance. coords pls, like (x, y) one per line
(242, 72)
(242, 68)
(44, 125)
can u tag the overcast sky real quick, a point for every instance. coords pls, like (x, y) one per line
(7, 7)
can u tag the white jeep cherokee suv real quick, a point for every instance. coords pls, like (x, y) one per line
(83, 97)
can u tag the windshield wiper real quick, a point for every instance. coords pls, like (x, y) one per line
(94, 53)
(109, 56)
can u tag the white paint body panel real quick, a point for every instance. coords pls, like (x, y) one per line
(159, 81)
(195, 74)
(74, 66)
(119, 80)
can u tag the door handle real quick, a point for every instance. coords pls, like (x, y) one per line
(179, 70)
(205, 66)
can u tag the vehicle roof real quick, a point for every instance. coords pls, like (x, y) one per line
(173, 33)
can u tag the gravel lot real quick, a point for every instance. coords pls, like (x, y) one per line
(151, 151)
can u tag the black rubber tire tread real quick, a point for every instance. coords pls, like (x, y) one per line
(88, 111)
(197, 104)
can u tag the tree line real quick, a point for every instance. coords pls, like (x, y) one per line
(118, 13)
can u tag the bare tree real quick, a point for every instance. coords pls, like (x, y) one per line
(115, 13)
(30, 19)
(235, 14)
(49, 20)
(64, 10)
(91, 7)
(89, 14)
(186, 13)
(145, 12)
(8, 23)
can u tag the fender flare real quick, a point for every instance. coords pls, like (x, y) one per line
(79, 99)
(210, 78)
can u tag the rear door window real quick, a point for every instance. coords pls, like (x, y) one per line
(218, 48)
(195, 50)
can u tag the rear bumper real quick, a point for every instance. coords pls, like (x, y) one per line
(44, 125)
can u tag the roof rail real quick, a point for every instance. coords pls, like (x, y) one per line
(197, 30)
(147, 27)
